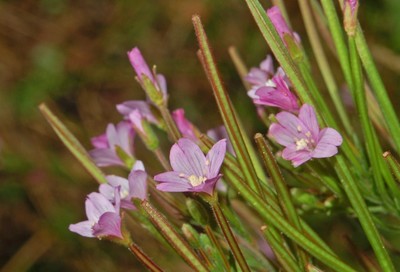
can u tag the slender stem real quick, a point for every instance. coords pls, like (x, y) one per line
(284, 257)
(72, 143)
(359, 95)
(214, 240)
(143, 258)
(230, 238)
(230, 170)
(323, 64)
(172, 236)
(358, 203)
(274, 218)
(239, 65)
(338, 39)
(226, 109)
(378, 87)
(162, 159)
(283, 195)
(172, 129)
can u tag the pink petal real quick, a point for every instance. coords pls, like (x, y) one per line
(293, 124)
(105, 157)
(281, 134)
(324, 150)
(83, 228)
(186, 157)
(163, 84)
(174, 187)
(172, 176)
(138, 184)
(267, 65)
(138, 165)
(96, 204)
(109, 225)
(139, 64)
(208, 186)
(278, 21)
(125, 136)
(107, 190)
(297, 157)
(308, 117)
(331, 136)
(112, 136)
(215, 158)
(116, 181)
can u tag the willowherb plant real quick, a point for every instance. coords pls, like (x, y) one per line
(332, 168)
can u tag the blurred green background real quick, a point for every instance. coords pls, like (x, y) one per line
(72, 54)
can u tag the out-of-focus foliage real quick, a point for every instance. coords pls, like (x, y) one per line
(74, 53)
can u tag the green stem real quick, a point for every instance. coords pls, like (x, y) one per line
(358, 203)
(323, 64)
(143, 258)
(274, 218)
(172, 236)
(226, 109)
(226, 230)
(70, 141)
(214, 240)
(283, 195)
(284, 257)
(368, 131)
(338, 38)
(230, 170)
(172, 130)
(378, 87)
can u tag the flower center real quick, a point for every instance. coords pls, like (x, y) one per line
(304, 143)
(124, 193)
(301, 144)
(196, 180)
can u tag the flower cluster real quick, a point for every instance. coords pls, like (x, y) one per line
(103, 209)
(301, 135)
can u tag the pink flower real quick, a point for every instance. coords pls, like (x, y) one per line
(125, 108)
(120, 136)
(142, 69)
(277, 94)
(186, 128)
(103, 218)
(192, 171)
(302, 136)
(133, 187)
(280, 24)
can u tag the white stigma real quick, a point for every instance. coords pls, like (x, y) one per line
(270, 83)
(301, 144)
(195, 180)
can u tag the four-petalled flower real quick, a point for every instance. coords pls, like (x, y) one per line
(302, 136)
(192, 171)
(103, 217)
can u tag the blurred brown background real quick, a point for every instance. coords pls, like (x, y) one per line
(72, 54)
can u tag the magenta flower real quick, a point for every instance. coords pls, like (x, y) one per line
(120, 136)
(277, 94)
(127, 107)
(133, 187)
(103, 218)
(142, 69)
(280, 24)
(260, 76)
(186, 128)
(302, 136)
(192, 171)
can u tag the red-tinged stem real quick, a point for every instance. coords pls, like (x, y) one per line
(143, 258)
